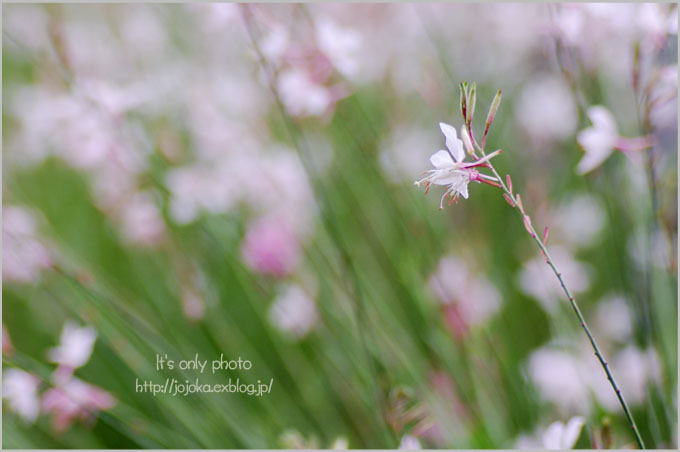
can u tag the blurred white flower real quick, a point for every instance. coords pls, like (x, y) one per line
(475, 298)
(275, 43)
(655, 22)
(23, 254)
(664, 98)
(75, 400)
(75, 346)
(613, 319)
(645, 250)
(216, 16)
(114, 99)
(301, 95)
(634, 370)
(340, 45)
(578, 220)
(597, 141)
(538, 280)
(143, 32)
(340, 443)
(409, 442)
(26, 25)
(141, 220)
(21, 390)
(556, 436)
(405, 149)
(560, 436)
(573, 379)
(546, 111)
(294, 311)
(203, 187)
(558, 375)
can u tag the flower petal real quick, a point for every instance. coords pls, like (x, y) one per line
(603, 120)
(553, 435)
(441, 159)
(466, 140)
(597, 148)
(454, 144)
(463, 189)
(572, 432)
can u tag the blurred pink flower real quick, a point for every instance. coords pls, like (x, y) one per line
(192, 304)
(75, 400)
(23, 254)
(75, 346)
(7, 347)
(21, 390)
(271, 247)
(294, 311)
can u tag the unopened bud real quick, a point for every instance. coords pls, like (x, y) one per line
(494, 108)
(509, 200)
(545, 235)
(518, 198)
(508, 180)
(466, 140)
(527, 225)
(472, 100)
(463, 100)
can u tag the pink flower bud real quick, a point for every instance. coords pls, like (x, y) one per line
(509, 200)
(527, 225)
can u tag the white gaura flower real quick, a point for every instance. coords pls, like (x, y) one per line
(597, 141)
(600, 140)
(451, 170)
(410, 442)
(294, 312)
(561, 436)
(556, 436)
(20, 389)
(75, 346)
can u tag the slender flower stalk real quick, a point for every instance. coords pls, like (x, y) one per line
(515, 202)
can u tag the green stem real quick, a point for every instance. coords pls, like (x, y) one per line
(574, 305)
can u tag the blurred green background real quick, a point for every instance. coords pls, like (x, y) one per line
(220, 178)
